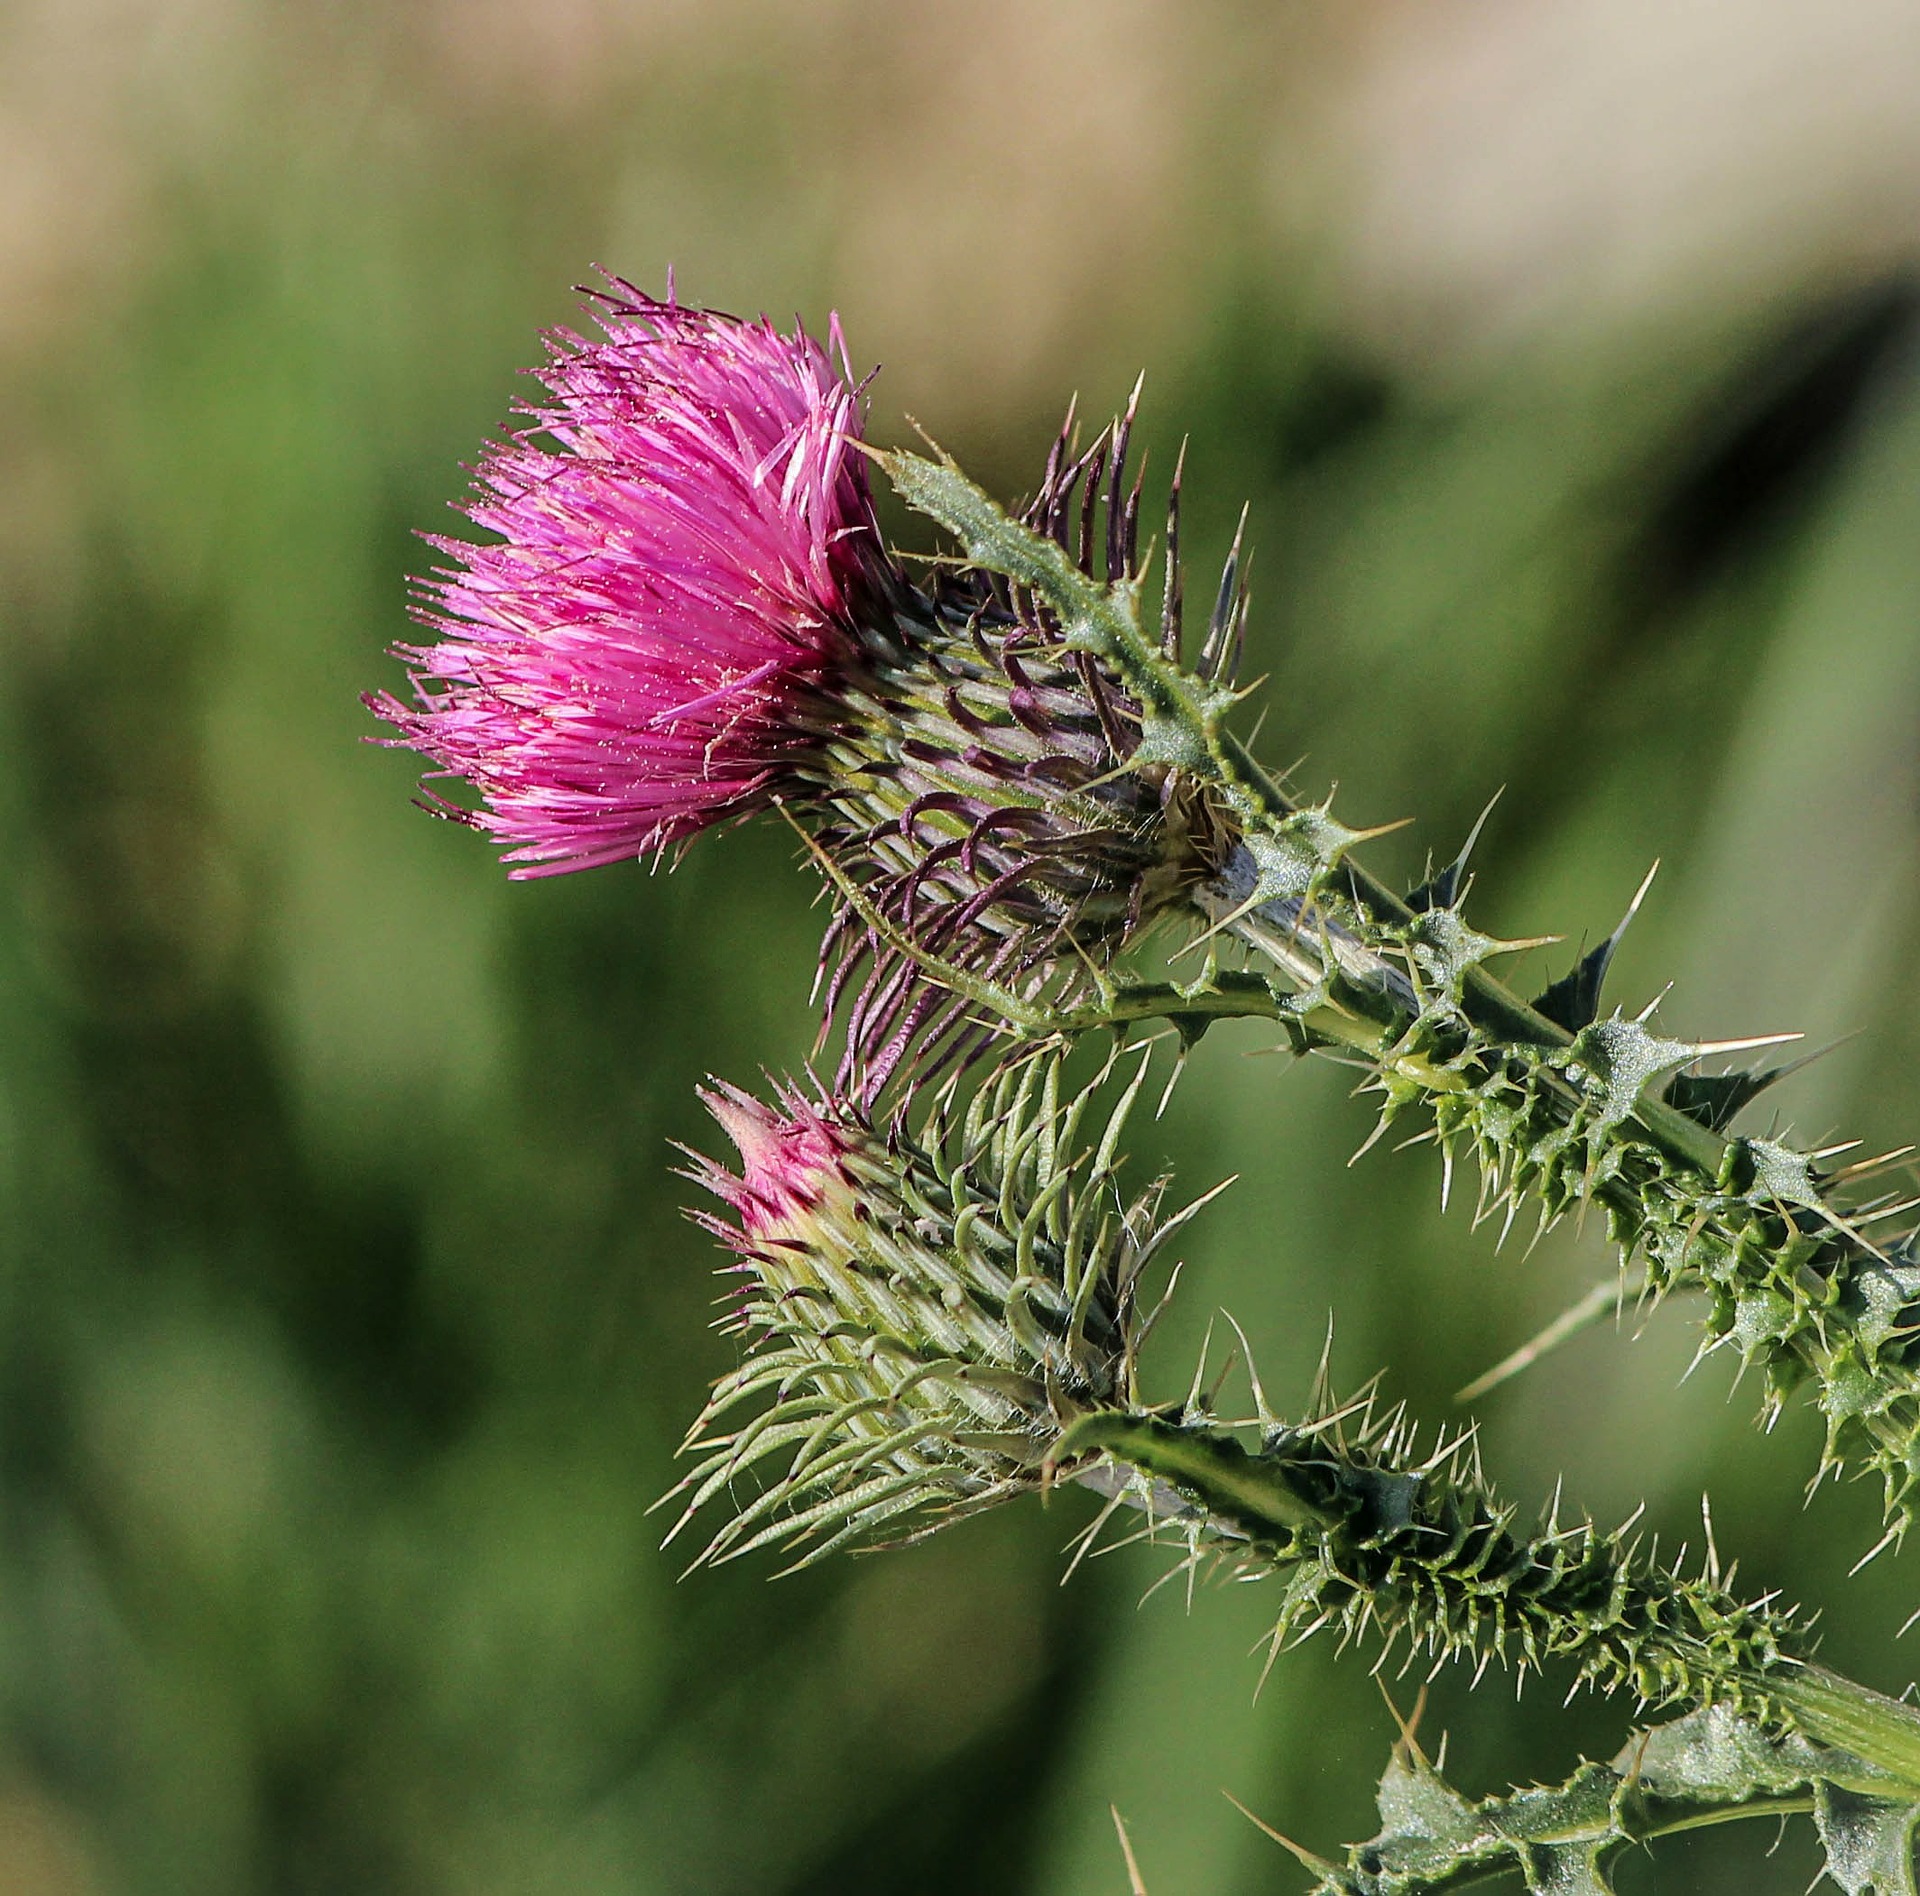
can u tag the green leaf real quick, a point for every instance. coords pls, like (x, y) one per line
(1869, 1841)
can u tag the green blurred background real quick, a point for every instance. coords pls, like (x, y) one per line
(1565, 350)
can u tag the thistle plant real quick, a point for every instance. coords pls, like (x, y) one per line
(1024, 801)
(941, 1321)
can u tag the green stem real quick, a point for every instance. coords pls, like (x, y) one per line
(1833, 1709)
(1209, 1465)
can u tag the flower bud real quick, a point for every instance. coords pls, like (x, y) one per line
(924, 1316)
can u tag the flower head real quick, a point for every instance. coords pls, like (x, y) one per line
(923, 1313)
(648, 646)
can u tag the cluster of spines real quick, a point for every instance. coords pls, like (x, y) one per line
(1370, 1536)
(975, 811)
(1446, 1559)
(1794, 1284)
(1561, 1106)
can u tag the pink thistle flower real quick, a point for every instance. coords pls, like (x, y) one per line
(650, 645)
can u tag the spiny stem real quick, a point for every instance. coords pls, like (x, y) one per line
(1315, 1503)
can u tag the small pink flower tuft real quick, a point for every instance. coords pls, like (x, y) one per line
(647, 647)
(790, 1159)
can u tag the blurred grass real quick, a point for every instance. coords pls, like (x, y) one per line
(347, 1321)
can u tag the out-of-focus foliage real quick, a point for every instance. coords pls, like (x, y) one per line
(347, 1323)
